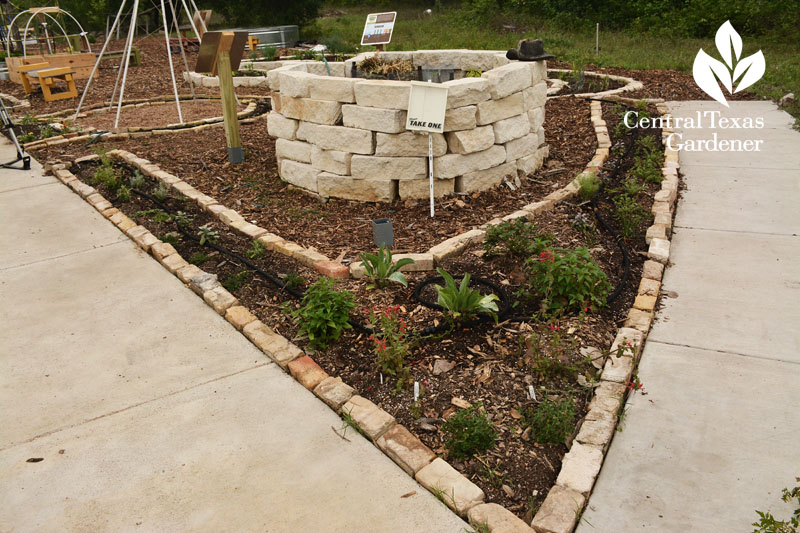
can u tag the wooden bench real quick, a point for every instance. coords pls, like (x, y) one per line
(47, 77)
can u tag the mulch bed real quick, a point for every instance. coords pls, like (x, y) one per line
(491, 364)
(153, 116)
(148, 80)
(338, 226)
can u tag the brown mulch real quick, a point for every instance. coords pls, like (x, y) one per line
(338, 226)
(154, 115)
(150, 79)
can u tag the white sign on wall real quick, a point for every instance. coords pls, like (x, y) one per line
(378, 29)
(427, 103)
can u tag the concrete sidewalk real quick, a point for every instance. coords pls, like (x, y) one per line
(150, 411)
(716, 437)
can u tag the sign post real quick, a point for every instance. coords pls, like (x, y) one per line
(220, 54)
(378, 29)
(427, 103)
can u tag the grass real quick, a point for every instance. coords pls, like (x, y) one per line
(455, 28)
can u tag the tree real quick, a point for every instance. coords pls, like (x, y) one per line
(249, 13)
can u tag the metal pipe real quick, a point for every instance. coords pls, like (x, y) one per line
(127, 60)
(171, 68)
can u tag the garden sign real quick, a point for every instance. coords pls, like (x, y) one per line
(427, 103)
(378, 29)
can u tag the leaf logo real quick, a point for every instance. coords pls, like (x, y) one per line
(709, 72)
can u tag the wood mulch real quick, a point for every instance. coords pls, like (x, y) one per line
(152, 116)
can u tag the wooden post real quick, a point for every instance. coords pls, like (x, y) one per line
(223, 67)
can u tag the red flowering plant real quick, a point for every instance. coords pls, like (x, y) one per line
(390, 342)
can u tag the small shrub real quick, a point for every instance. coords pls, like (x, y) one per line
(589, 185)
(28, 120)
(473, 73)
(324, 313)
(161, 192)
(234, 282)
(566, 280)
(518, 237)
(198, 258)
(269, 53)
(105, 175)
(381, 270)
(171, 238)
(207, 235)
(182, 219)
(628, 186)
(551, 421)
(123, 194)
(254, 55)
(468, 432)
(769, 524)
(645, 171)
(257, 250)
(26, 138)
(294, 281)
(390, 342)
(629, 214)
(137, 181)
(461, 303)
(104, 159)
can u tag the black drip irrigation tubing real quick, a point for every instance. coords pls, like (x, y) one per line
(504, 301)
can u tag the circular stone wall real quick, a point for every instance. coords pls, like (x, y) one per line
(345, 137)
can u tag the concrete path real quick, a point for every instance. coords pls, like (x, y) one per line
(718, 434)
(151, 412)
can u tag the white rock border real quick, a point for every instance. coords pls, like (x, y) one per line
(630, 84)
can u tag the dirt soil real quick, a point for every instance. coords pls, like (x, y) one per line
(153, 116)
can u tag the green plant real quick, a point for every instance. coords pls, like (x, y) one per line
(629, 214)
(468, 432)
(102, 153)
(324, 312)
(182, 219)
(479, 527)
(645, 171)
(123, 194)
(198, 258)
(161, 192)
(381, 270)
(207, 234)
(47, 132)
(253, 55)
(257, 250)
(26, 138)
(107, 176)
(234, 282)
(390, 342)
(156, 215)
(589, 185)
(137, 181)
(28, 120)
(518, 237)
(566, 280)
(349, 421)
(171, 238)
(269, 53)
(551, 421)
(628, 186)
(473, 73)
(294, 281)
(461, 303)
(769, 524)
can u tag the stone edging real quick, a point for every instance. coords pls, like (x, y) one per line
(393, 439)
(201, 80)
(14, 101)
(455, 246)
(561, 510)
(630, 85)
(135, 132)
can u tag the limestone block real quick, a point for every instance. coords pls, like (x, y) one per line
(511, 128)
(188, 273)
(508, 79)
(452, 165)
(522, 147)
(652, 270)
(307, 372)
(375, 119)
(580, 468)
(460, 118)
(296, 83)
(386, 94)
(481, 180)
(421, 188)
(321, 69)
(174, 263)
(337, 89)
(618, 369)
(273, 76)
(239, 316)
(220, 299)
(388, 168)
(299, 174)
(334, 392)
(280, 126)
(459, 493)
(455, 245)
(559, 512)
(364, 190)
(160, 250)
(498, 519)
(308, 110)
(639, 320)
(372, 420)
(538, 71)
(458, 59)
(530, 164)
(494, 110)
(535, 96)
(405, 449)
(466, 91)
(294, 150)
(408, 144)
(469, 141)
(337, 138)
(608, 397)
(659, 250)
(332, 161)
(597, 432)
(536, 118)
